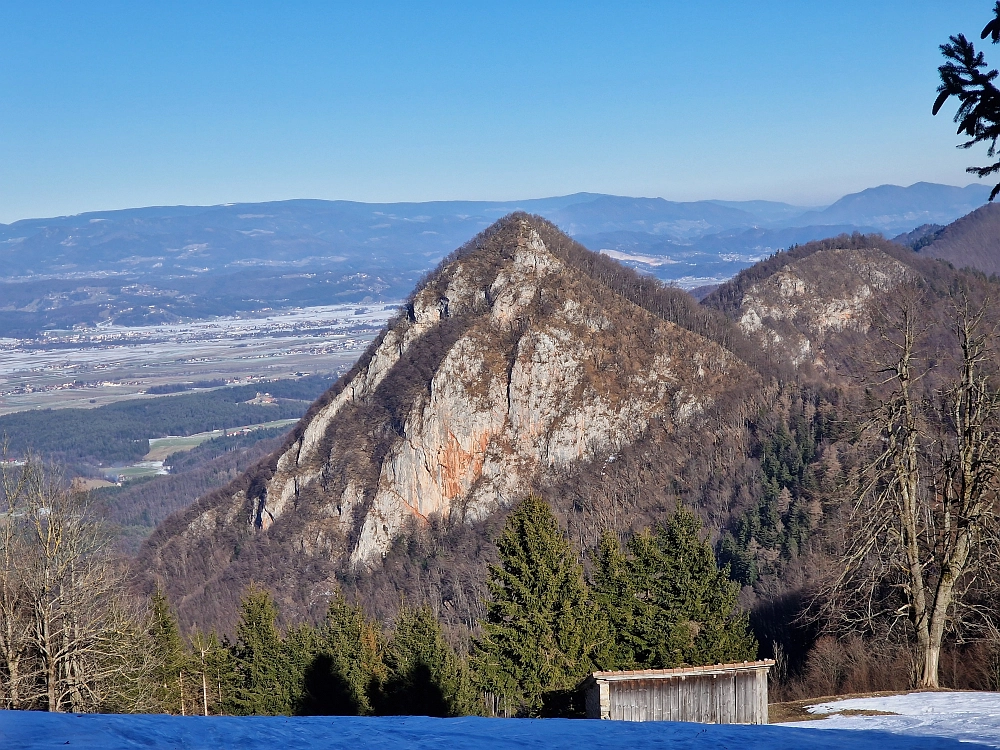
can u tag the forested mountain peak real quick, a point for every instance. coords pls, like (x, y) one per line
(523, 355)
(526, 363)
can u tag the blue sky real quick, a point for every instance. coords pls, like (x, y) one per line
(110, 105)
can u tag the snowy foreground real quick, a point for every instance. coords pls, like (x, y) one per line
(927, 720)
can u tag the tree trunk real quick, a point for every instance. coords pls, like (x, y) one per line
(13, 687)
(51, 678)
(204, 692)
(927, 676)
(47, 651)
(924, 648)
(13, 642)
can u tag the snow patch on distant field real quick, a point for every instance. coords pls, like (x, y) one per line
(649, 260)
(968, 717)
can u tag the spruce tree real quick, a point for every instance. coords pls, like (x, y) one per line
(262, 686)
(347, 671)
(300, 648)
(169, 657)
(539, 635)
(425, 676)
(612, 593)
(667, 601)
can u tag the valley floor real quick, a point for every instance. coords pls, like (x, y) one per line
(924, 721)
(96, 366)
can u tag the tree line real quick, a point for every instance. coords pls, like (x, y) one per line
(74, 638)
(661, 601)
(347, 665)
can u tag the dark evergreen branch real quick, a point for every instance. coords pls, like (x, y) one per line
(965, 76)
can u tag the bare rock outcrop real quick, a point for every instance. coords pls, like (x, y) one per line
(830, 291)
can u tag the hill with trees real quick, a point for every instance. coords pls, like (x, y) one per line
(517, 300)
(970, 242)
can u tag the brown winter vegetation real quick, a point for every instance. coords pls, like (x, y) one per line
(73, 637)
(971, 242)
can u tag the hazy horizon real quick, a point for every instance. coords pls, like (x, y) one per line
(520, 199)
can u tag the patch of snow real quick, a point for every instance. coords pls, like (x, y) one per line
(740, 258)
(965, 716)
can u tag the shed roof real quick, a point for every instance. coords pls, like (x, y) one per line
(663, 674)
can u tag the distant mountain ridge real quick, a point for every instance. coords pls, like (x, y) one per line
(892, 209)
(163, 240)
(158, 264)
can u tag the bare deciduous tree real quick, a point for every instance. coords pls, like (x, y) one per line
(15, 625)
(72, 635)
(923, 525)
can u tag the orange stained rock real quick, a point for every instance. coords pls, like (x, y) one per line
(459, 468)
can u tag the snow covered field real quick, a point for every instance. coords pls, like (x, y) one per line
(929, 720)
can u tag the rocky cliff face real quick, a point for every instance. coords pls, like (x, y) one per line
(810, 305)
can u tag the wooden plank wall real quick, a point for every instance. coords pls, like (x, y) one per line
(718, 699)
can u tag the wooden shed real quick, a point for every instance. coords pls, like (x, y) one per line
(716, 694)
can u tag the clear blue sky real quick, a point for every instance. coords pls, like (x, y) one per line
(116, 104)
